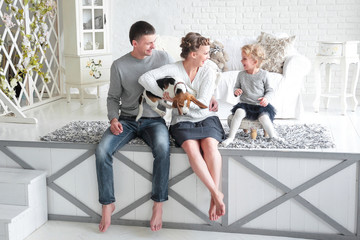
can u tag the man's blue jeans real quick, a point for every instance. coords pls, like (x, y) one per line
(155, 133)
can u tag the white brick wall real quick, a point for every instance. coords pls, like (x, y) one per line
(309, 20)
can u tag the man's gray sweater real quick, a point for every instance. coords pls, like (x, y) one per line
(124, 89)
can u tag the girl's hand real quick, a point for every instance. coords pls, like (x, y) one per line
(263, 101)
(238, 92)
(167, 97)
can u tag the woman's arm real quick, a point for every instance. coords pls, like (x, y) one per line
(148, 79)
(206, 87)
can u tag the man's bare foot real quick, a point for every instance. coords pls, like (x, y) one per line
(212, 211)
(220, 205)
(156, 218)
(107, 211)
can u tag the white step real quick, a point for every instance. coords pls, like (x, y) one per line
(23, 202)
(13, 222)
(15, 183)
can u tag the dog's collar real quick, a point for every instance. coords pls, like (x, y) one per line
(177, 84)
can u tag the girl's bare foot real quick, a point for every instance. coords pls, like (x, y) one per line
(220, 205)
(156, 218)
(107, 211)
(212, 211)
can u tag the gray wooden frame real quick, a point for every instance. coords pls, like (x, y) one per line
(346, 160)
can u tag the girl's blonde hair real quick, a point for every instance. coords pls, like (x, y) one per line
(255, 51)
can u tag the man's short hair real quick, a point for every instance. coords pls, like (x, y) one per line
(140, 29)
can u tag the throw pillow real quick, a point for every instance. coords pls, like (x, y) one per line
(276, 50)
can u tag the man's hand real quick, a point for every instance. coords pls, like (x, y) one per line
(116, 127)
(213, 107)
(238, 92)
(263, 101)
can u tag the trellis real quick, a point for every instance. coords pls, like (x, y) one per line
(33, 90)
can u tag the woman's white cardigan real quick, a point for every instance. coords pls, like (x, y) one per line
(202, 87)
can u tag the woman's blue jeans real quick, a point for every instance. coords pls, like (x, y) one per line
(155, 133)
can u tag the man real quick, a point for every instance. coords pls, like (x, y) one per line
(123, 96)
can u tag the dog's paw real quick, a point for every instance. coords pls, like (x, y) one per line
(162, 114)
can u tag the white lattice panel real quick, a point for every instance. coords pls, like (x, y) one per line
(34, 90)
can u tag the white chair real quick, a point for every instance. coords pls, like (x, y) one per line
(251, 125)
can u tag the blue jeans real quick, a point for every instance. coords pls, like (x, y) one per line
(155, 133)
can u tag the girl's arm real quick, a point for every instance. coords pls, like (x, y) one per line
(237, 84)
(269, 91)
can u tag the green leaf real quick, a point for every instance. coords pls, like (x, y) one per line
(26, 2)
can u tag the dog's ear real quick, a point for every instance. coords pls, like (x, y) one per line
(197, 102)
(161, 83)
(165, 82)
(178, 91)
(171, 80)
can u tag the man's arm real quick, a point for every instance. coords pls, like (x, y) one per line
(114, 93)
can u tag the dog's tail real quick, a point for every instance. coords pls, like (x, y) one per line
(197, 102)
(141, 107)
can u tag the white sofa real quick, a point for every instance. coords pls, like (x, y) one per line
(287, 98)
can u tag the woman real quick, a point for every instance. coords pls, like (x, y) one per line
(199, 131)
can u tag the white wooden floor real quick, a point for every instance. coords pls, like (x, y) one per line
(56, 230)
(345, 131)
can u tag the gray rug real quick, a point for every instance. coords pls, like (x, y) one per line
(297, 136)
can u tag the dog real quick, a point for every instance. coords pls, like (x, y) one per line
(177, 91)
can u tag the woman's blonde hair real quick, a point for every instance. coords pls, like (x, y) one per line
(255, 51)
(191, 43)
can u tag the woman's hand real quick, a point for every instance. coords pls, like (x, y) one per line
(213, 106)
(238, 92)
(167, 97)
(263, 101)
(116, 127)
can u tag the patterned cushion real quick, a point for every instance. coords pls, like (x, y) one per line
(276, 50)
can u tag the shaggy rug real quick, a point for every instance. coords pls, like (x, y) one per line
(296, 136)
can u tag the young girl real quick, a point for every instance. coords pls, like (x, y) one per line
(255, 92)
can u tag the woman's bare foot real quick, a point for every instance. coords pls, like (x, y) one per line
(220, 205)
(156, 218)
(212, 211)
(107, 211)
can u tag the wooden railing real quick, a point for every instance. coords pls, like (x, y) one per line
(303, 194)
